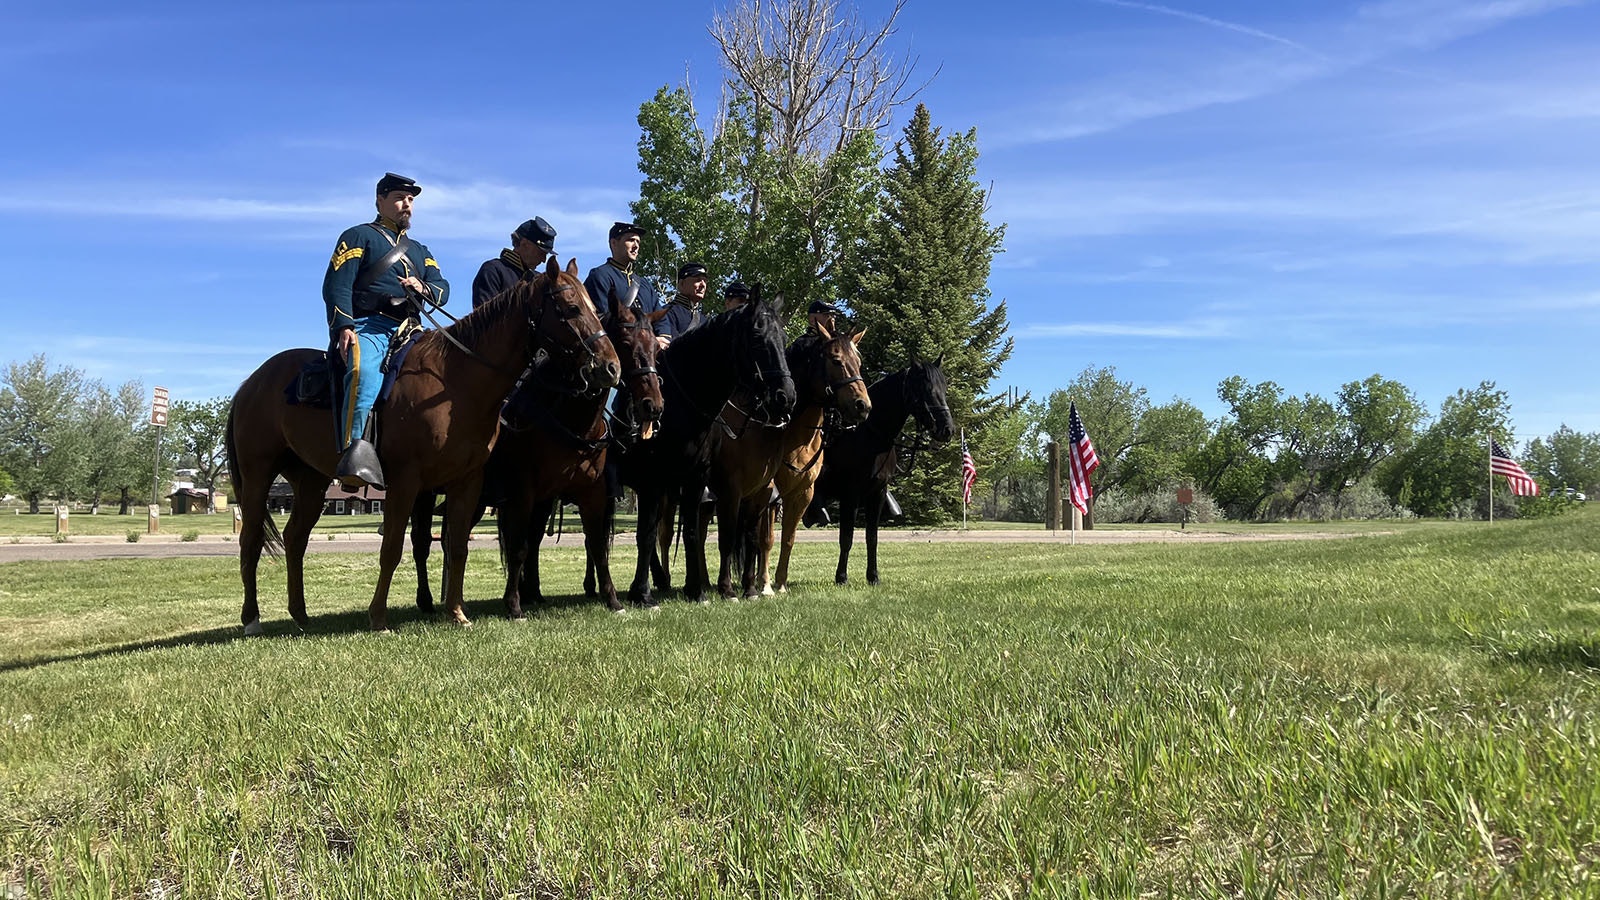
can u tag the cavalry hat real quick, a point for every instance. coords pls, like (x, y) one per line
(736, 289)
(822, 307)
(537, 231)
(618, 229)
(691, 270)
(392, 182)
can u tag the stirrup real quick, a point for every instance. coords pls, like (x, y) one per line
(358, 466)
(891, 506)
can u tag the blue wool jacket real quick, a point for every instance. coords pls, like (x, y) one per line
(608, 286)
(367, 243)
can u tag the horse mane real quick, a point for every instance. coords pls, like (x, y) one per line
(492, 312)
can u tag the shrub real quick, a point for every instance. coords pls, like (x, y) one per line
(191, 535)
(133, 537)
(1155, 506)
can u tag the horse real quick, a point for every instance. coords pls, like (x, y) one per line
(436, 430)
(562, 456)
(555, 453)
(860, 462)
(827, 374)
(741, 348)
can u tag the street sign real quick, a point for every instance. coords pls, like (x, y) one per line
(158, 408)
(1185, 496)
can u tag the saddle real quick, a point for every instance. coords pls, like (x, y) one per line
(314, 387)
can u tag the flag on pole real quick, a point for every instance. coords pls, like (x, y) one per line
(1081, 460)
(969, 471)
(1501, 463)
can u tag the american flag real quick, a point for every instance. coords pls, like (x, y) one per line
(1501, 463)
(1081, 460)
(969, 472)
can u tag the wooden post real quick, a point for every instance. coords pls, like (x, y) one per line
(1052, 507)
(61, 520)
(238, 520)
(153, 525)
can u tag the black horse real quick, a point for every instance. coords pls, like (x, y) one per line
(742, 348)
(860, 462)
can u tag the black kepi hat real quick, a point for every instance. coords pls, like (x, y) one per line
(618, 229)
(691, 270)
(736, 289)
(822, 307)
(537, 231)
(392, 182)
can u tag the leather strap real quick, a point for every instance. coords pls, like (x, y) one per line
(372, 271)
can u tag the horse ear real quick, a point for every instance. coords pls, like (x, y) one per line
(824, 332)
(777, 305)
(856, 338)
(657, 316)
(552, 266)
(572, 266)
(939, 363)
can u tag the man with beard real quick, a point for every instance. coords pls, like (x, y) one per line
(376, 280)
(531, 244)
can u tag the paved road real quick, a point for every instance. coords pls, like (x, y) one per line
(168, 547)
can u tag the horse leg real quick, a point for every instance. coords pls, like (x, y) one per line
(528, 587)
(253, 515)
(644, 540)
(728, 535)
(589, 587)
(396, 512)
(512, 525)
(695, 576)
(874, 516)
(461, 502)
(422, 545)
(793, 509)
(847, 535)
(310, 487)
(660, 573)
(597, 542)
(764, 549)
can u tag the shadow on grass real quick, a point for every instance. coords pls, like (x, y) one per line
(322, 625)
(1563, 654)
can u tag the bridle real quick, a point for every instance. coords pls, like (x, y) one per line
(552, 304)
(639, 326)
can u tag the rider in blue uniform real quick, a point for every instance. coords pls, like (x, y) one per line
(376, 279)
(684, 312)
(531, 244)
(608, 284)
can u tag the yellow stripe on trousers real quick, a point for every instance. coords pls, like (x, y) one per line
(355, 387)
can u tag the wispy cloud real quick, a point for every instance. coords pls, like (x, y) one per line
(1376, 33)
(1200, 329)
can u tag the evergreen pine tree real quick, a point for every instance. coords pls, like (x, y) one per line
(921, 291)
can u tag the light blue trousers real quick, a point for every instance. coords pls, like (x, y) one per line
(362, 376)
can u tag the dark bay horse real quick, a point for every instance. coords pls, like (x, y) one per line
(553, 444)
(860, 462)
(561, 455)
(741, 348)
(827, 375)
(435, 430)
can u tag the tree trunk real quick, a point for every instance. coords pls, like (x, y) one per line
(33, 503)
(94, 503)
(124, 503)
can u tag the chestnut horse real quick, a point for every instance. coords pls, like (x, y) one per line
(741, 348)
(860, 462)
(435, 430)
(827, 375)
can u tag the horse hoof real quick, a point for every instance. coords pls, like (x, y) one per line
(621, 611)
(254, 629)
(841, 579)
(767, 591)
(784, 589)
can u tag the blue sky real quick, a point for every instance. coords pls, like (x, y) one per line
(1309, 193)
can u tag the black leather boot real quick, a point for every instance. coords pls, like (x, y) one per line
(358, 466)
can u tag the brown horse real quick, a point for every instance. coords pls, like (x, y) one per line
(827, 375)
(559, 453)
(435, 430)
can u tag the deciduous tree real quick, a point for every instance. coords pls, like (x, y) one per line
(40, 444)
(200, 428)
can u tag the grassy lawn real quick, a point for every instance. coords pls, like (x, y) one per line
(1408, 714)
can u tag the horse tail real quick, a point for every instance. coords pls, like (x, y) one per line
(230, 449)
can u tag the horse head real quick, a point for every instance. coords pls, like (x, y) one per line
(837, 375)
(926, 395)
(565, 324)
(635, 340)
(758, 351)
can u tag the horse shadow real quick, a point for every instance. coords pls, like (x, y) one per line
(1567, 654)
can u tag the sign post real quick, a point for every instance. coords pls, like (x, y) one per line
(158, 418)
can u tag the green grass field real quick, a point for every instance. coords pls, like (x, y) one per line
(1410, 714)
